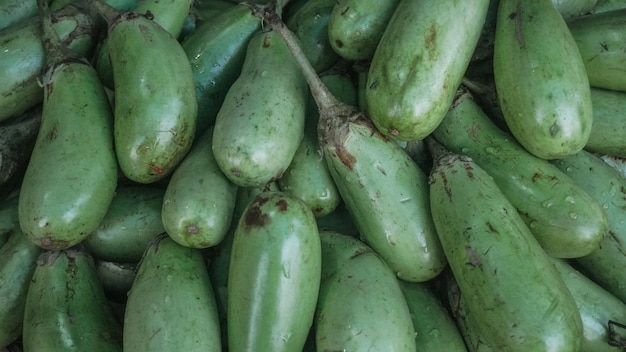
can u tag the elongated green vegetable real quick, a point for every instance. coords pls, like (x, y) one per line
(355, 27)
(308, 177)
(600, 41)
(22, 58)
(274, 275)
(361, 305)
(435, 330)
(419, 63)
(13, 12)
(596, 305)
(564, 218)
(18, 259)
(169, 14)
(261, 122)
(542, 84)
(155, 115)
(57, 208)
(609, 126)
(216, 51)
(171, 305)
(199, 200)
(131, 222)
(606, 264)
(385, 192)
(66, 308)
(517, 298)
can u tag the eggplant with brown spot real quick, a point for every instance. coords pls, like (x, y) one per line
(511, 289)
(419, 63)
(199, 200)
(564, 218)
(261, 121)
(274, 275)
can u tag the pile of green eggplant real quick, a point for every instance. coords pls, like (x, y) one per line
(312, 175)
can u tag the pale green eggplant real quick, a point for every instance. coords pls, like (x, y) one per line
(609, 122)
(66, 307)
(571, 9)
(13, 12)
(435, 330)
(510, 287)
(199, 200)
(419, 63)
(171, 305)
(274, 275)
(169, 14)
(361, 306)
(155, 116)
(261, 121)
(564, 218)
(308, 177)
(385, 192)
(596, 305)
(541, 81)
(216, 51)
(131, 222)
(71, 176)
(600, 40)
(355, 27)
(22, 58)
(18, 259)
(606, 185)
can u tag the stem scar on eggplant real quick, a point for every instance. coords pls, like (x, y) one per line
(282, 205)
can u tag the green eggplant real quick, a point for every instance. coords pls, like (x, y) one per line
(541, 81)
(261, 121)
(216, 51)
(572, 9)
(609, 122)
(308, 177)
(355, 27)
(607, 5)
(564, 218)
(385, 192)
(600, 41)
(23, 59)
(596, 305)
(606, 185)
(419, 63)
(18, 259)
(169, 14)
(274, 275)
(310, 24)
(66, 307)
(71, 176)
(171, 305)
(199, 200)
(131, 222)
(155, 116)
(13, 12)
(517, 298)
(435, 330)
(361, 306)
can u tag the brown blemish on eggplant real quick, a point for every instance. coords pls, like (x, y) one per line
(346, 158)
(254, 216)
(339, 43)
(192, 229)
(282, 205)
(474, 258)
(266, 42)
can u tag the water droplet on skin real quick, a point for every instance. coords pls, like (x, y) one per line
(169, 278)
(286, 272)
(490, 150)
(605, 206)
(168, 299)
(464, 150)
(547, 204)
(573, 215)
(264, 73)
(568, 169)
(434, 333)
(570, 199)
(533, 225)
